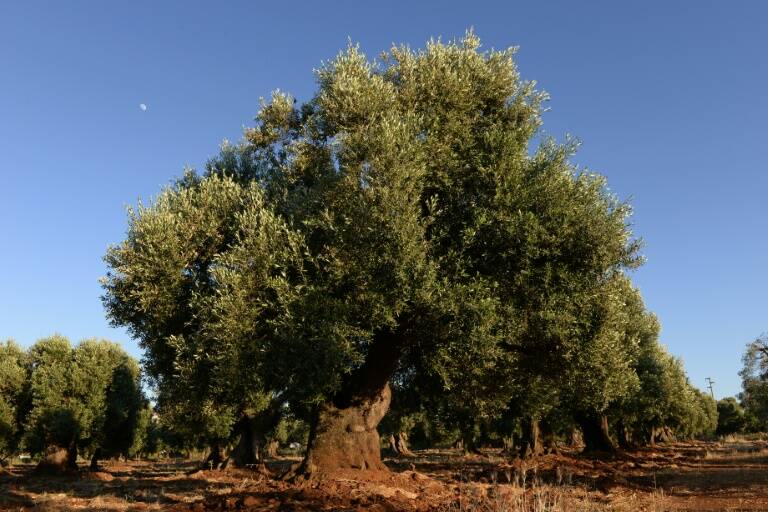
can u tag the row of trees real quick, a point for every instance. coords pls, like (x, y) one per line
(399, 234)
(57, 401)
(749, 411)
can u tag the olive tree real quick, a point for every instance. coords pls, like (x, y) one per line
(81, 397)
(398, 222)
(754, 381)
(731, 418)
(13, 377)
(169, 285)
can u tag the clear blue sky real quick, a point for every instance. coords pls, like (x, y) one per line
(669, 98)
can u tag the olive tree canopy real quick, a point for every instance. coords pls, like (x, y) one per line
(400, 221)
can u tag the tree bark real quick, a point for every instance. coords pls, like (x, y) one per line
(247, 452)
(576, 438)
(252, 446)
(401, 442)
(95, 459)
(530, 442)
(215, 459)
(626, 442)
(58, 460)
(470, 446)
(342, 433)
(597, 437)
(272, 447)
(393, 445)
(398, 445)
(549, 441)
(667, 435)
(346, 437)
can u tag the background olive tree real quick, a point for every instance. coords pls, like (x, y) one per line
(83, 399)
(12, 379)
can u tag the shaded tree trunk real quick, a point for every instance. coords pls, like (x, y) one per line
(58, 460)
(72, 456)
(469, 445)
(530, 442)
(549, 441)
(215, 459)
(398, 445)
(402, 445)
(249, 446)
(625, 438)
(252, 446)
(508, 444)
(594, 428)
(95, 459)
(576, 439)
(342, 433)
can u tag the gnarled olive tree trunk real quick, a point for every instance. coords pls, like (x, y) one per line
(344, 436)
(342, 432)
(626, 439)
(253, 446)
(58, 460)
(95, 459)
(594, 428)
(549, 439)
(215, 459)
(662, 434)
(576, 438)
(398, 444)
(530, 442)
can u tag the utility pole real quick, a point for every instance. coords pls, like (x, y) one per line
(710, 382)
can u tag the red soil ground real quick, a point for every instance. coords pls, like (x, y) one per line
(682, 476)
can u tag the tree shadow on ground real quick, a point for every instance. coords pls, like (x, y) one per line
(25, 489)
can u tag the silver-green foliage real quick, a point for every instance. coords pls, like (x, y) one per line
(80, 396)
(12, 378)
(754, 379)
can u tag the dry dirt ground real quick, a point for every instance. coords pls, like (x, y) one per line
(682, 476)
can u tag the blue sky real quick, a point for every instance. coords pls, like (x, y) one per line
(669, 99)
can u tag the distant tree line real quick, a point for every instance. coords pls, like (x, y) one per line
(405, 246)
(58, 401)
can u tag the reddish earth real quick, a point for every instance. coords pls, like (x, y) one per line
(682, 476)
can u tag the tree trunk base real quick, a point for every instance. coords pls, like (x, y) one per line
(575, 439)
(253, 446)
(596, 434)
(248, 451)
(214, 461)
(626, 439)
(346, 437)
(530, 443)
(57, 461)
(398, 444)
(95, 460)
